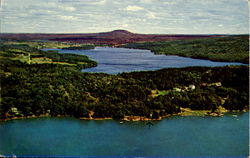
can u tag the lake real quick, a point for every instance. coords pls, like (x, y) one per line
(118, 60)
(173, 136)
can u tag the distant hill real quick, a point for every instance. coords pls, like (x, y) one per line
(115, 37)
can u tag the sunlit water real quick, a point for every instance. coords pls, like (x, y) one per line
(174, 136)
(117, 60)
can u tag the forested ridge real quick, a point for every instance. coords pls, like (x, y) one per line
(232, 48)
(49, 88)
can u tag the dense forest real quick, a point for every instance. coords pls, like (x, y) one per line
(80, 47)
(232, 48)
(49, 83)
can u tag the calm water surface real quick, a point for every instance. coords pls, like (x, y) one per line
(174, 136)
(117, 60)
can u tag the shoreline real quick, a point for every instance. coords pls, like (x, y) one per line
(156, 53)
(185, 113)
(180, 55)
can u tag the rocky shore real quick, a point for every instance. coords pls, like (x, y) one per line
(184, 112)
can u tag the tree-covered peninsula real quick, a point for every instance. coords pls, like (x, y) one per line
(39, 83)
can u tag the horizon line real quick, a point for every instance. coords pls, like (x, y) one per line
(127, 31)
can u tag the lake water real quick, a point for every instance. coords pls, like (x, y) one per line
(174, 136)
(117, 60)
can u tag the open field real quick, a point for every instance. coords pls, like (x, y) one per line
(29, 52)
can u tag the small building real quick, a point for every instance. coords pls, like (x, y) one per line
(14, 110)
(191, 87)
(218, 84)
(177, 89)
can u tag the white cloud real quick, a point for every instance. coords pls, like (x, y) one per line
(169, 3)
(145, 1)
(67, 8)
(101, 2)
(133, 8)
(41, 12)
(125, 25)
(52, 6)
(134, 15)
(1, 4)
(152, 15)
(67, 17)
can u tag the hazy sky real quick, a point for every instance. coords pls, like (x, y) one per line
(140, 16)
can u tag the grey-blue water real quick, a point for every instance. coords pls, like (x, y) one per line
(117, 60)
(174, 136)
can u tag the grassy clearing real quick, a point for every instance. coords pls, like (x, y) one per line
(42, 60)
(189, 112)
(156, 93)
(22, 58)
(29, 52)
(50, 44)
(82, 63)
(164, 92)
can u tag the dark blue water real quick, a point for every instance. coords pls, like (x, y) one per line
(174, 136)
(117, 60)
